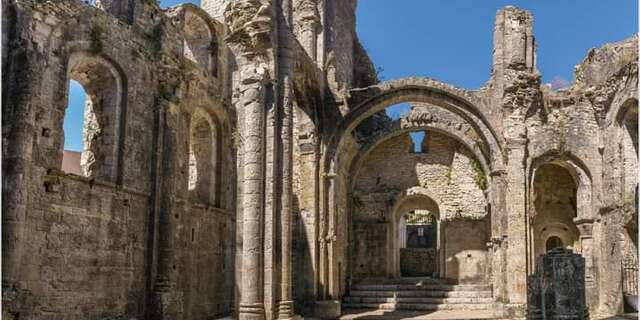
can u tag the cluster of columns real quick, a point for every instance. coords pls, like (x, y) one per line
(266, 105)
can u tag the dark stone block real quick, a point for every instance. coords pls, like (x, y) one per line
(557, 289)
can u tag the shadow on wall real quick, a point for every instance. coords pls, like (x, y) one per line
(303, 278)
(466, 252)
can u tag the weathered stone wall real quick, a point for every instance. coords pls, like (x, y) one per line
(87, 247)
(197, 156)
(465, 251)
(446, 172)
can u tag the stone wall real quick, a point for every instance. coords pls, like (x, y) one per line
(446, 172)
(85, 246)
(231, 167)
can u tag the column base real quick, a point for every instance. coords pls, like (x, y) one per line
(285, 311)
(327, 309)
(251, 311)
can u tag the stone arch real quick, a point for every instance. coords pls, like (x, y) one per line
(204, 158)
(627, 124)
(371, 100)
(374, 99)
(105, 113)
(396, 129)
(410, 199)
(579, 172)
(560, 230)
(201, 41)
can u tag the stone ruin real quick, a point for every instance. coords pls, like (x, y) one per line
(237, 162)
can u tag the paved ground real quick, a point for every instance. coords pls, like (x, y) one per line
(371, 314)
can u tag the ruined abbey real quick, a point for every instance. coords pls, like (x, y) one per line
(238, 162)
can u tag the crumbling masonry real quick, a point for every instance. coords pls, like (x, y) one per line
(238, 162)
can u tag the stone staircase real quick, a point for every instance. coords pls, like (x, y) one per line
(418, 294)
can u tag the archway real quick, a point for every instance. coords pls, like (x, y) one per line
(415, 244)
(103, 117)
(554, 200)
(554, 242)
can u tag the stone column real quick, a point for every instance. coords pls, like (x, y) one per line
(516, 222)
(252, 101)
(164, 300)
(250, 39)
(307, 21)
(285, 306)
(585, 227)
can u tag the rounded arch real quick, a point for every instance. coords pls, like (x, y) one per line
(205, 160)
(201, 40)
(625, 110)
(375, 99)
(414, 198)
(568, 235)
(579, 172)
(396, 130)
(105, 84)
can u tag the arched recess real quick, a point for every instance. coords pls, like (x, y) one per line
(560, 202)
(201, 43)
(204, 158)
(104, 114)
(416, 198)
(580, 174)
(627, 121)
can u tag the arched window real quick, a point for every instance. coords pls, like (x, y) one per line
(200, 43)
(202, 159)
(97, 126)
(554, 242)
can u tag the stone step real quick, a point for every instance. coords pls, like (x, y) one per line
(419, 306)
(422, 293)
(419, 300)
(403, 280)
(379, 314)
(425, 287)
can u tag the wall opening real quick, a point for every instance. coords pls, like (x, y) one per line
(92, 118)
(554, 198)
(200, 43)
(202, 159)
(417, 139)
(72, 126)
(553, 243)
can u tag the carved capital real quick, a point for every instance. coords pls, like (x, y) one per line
(249, 24)
(306, 15)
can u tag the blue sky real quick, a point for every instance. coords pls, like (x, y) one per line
(451, 40)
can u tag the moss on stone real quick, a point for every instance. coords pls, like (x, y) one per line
(480, 177)
(96, 34)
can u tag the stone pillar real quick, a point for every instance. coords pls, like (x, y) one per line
(325, 307)
(587, 247)
(249, 37)
(285, 306)
(516, 223)
(252, 101)
(307, 22)
(165, 300)
(517, 86)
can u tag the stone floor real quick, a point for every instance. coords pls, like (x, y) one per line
(405, 314)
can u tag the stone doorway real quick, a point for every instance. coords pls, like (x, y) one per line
(416, 239)
(418, 231)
